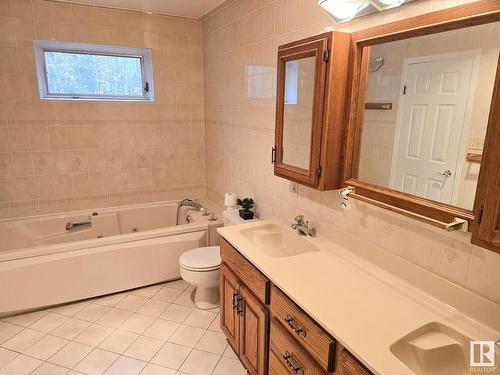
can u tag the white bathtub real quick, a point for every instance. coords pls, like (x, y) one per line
(42, 263)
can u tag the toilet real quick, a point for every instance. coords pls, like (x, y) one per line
(200, 267)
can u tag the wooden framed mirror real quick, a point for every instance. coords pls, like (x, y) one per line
(424, 116)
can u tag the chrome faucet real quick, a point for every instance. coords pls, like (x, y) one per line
(302, 227)
(194, 204)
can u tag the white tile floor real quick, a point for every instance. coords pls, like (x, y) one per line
(150, 331)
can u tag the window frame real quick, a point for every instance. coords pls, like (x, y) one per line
(42, 46)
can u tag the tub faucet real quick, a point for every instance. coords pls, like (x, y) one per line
(194, 204)
(302, 227)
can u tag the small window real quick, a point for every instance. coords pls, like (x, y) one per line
(93, 72)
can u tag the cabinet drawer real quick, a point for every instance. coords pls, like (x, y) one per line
(306, 331)
(253, 279)
(287, 353)
(348, 365)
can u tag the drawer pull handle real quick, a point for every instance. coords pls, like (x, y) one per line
(292, 363)
(294, 326)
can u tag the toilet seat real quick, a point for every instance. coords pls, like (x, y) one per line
(201, 259)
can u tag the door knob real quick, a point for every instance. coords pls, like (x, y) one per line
(446, 173)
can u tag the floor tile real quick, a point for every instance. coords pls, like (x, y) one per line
(131, 303)
(92, 312)
(200, 363)
(118, 341)
(187, 336)
(114, 318)
(110, 300)
(8, 330)
(229, 366)
(70, 309)
(186, 298)
(46, 347)
(21, 365)
(137, 323)
(176, 313)
(152, 369)
(93, 335)
(26, 320)
(126, 366)
(171, 355)
(215, 326)
(23, 340)
(49, 322)
(96, 362)
(70, 328)
(153, 308)
(167, 294)
(148, 291)
(178, 284)
(70, 355)
(6, 356)
(161, 329)
(50, 369)
(213, 342)
(144, 348)
(200, 318)
(229, 352)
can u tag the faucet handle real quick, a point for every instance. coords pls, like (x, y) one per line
(299, 219)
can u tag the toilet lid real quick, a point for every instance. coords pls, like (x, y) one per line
(201, 258)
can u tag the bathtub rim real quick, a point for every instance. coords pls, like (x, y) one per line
(41, 250)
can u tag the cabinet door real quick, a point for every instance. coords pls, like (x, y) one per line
(348, 365)
(253, 334)
(299, 110)
(486, 230)
(230, 299)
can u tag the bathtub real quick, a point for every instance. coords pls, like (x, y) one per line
(42, 263)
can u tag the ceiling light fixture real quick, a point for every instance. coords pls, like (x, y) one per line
(345, 10)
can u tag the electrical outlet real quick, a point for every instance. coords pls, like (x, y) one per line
(293, 189)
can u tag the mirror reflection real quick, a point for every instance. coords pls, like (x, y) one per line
(297, 114)
(427, 103)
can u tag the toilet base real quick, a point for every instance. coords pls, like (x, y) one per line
(207, 298)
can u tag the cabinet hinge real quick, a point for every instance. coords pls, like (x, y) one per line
(318, 171)
(480, 214)
(146, 87)
(273, 155)
(326, 55)
(404, 90)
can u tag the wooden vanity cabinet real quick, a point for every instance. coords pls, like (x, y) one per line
(244, 316)
(269, 333)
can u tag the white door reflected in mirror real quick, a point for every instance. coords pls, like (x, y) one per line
(440, 87)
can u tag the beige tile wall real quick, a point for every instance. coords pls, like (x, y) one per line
(240, 134)
(66, 155)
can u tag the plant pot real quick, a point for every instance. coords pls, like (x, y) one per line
(246, 214)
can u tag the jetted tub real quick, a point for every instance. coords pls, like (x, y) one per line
(42, 263)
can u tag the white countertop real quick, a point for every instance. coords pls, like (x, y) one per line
(363, 305)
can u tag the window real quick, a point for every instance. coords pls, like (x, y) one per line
(93, 72)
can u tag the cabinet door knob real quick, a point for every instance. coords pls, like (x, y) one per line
(447, 173)
(294, 325)
(292, 363)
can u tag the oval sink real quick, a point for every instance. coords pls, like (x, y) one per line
(277, 241)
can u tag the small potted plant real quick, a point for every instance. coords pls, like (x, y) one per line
(246, 204)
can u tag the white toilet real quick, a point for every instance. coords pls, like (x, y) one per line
(200, 267)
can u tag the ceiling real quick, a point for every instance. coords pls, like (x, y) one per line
(183, 8)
